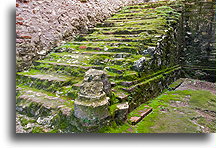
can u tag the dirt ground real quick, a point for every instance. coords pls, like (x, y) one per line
(197, 85)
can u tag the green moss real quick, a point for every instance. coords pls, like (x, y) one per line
(210, 124)
(174, 119)
(175, 84)
(25, 121)
(113, 99)
(37, 130)
(54, 131)
(112, 109)
(202, 99)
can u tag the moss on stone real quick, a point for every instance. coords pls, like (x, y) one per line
(37, 130)
(166, 118)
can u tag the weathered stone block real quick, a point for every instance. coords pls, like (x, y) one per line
(91, 106)
(121, 112)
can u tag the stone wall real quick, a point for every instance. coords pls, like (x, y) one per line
(44, 24)
(198, 39)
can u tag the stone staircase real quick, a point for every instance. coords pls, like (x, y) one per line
(137, 49)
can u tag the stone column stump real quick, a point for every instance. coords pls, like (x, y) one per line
(91, 106)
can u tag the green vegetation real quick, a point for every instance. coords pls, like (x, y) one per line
(37, 130)
(171, 116)
(117, 46)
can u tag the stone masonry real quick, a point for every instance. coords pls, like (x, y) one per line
(42, 25)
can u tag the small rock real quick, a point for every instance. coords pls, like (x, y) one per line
(139, 64)
(42, 52)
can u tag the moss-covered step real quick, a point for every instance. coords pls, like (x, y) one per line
(86, 60)
(108, 46)
(131, 30)
(83, 66)
(61, 68)
(143, 37)
(39, 103)
(133, 22)
(148, 5)
(43, 81)
(139, 16)
(102, 53)
(143, 77)
(43, 112)
(141, 92)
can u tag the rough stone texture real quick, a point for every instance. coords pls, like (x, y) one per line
(97, 77)
(138, 65)
(44, 24)
(121, 112)
(198, 39)
(91, 106)
(160, 69)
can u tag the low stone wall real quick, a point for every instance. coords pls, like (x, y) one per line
(43, 24)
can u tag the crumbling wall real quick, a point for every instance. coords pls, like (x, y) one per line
(43, 24)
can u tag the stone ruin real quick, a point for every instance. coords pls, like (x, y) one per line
(91, 106)
(138, 52)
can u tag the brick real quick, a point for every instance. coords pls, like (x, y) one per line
(141, 115)
(135, 120)
(145, 112)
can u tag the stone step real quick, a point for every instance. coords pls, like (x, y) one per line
(84, 66)
(122, 96)
(126, 75)
(146, 81)
(61, 68)
(117, 39)
(133, 15)
(87, 60)
(150, 29)
(111, 64)
(95, 46)
(38, 103)
(110, 54)
(134, 10)
(148, 5)
(130, 19)
(48, 82)
(125, 23)
(85, 45)
(70, 70)
(108, 46)
(26, 124)
(127, 38)
(144, 77)
(124, 36)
